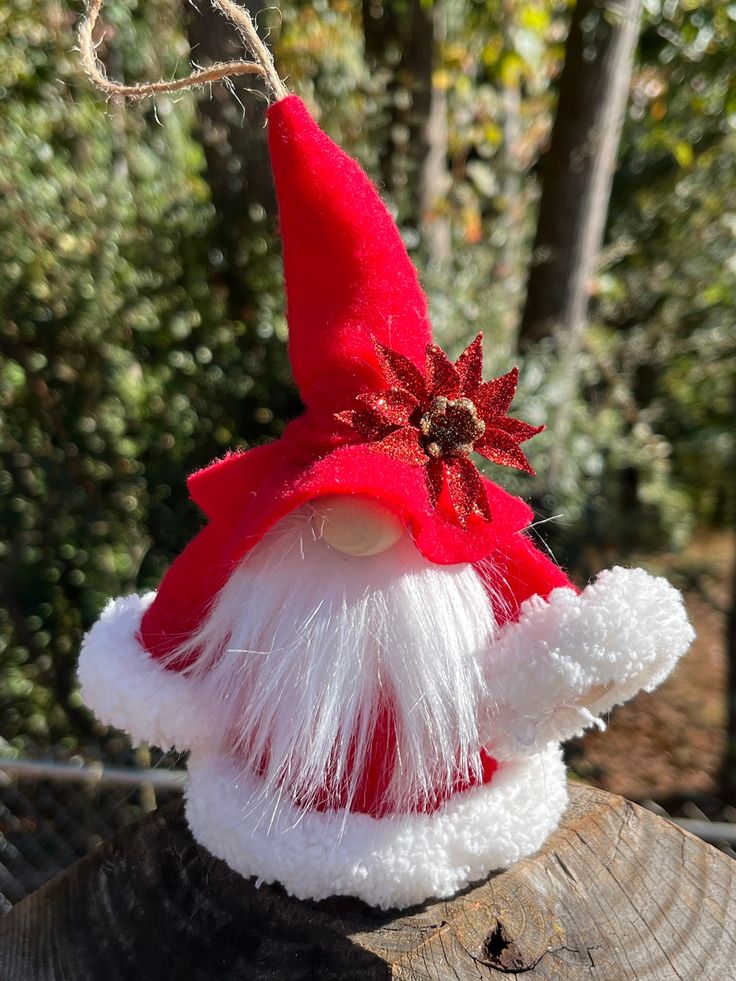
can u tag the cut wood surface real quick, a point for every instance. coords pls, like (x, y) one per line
(617, 893)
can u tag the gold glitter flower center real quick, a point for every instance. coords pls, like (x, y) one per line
(450, 427)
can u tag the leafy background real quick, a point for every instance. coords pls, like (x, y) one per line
(141, 309)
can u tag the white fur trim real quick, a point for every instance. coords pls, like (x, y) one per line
(127, 688)
(391, 861)
(303, 639)
(624, 632)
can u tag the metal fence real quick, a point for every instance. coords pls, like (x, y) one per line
(52, 814)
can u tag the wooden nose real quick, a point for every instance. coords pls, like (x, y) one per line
(355, 526)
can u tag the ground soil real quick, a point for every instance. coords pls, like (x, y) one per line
(668, 746)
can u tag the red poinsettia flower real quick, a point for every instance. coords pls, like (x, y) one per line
(437, 419)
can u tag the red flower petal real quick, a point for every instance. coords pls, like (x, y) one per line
(384, 419)
(493, 398)
(521, 431)
(404, 445)
(348, 418)
(400, 371)
(365, 423)
(467, 491)
(443, 377)
(435, 471)
(501, 448)
(470, 366)
(395, 407)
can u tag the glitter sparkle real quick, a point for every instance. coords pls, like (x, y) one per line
(437, 418)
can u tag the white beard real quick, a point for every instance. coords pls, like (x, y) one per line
(304, 644)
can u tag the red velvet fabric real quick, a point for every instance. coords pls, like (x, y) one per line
(370, 794)
(516, 570)
(348, 280)
(348, 277)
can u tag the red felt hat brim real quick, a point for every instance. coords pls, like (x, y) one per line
(257, 488)
(246, 494)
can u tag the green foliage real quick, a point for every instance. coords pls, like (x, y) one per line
(640, 441)
(120, 371)
(659, 373)
(669, 300)
(124, 363)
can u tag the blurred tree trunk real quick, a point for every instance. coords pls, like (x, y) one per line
(401, 42)
(511, 173)
(233, 136)
(729, 775)
(579, 166)
(731, 653)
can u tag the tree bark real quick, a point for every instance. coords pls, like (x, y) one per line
(401, 43)
(232, 132)
(729, 780)
(511, 174)
(434, 182)
(579, 166)
(616, 893)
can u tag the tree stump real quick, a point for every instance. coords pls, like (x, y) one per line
(616, 893)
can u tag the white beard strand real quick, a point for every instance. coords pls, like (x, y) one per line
(304, 644)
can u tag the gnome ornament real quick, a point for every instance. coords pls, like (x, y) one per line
(369, 661)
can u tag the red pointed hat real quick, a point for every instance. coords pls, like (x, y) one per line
(388, 417)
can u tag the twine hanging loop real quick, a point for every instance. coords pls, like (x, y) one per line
(261, 64)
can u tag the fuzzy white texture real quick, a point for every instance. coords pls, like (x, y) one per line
(128, 689)
(290, 663)
(621, 635)
(626, 630)
(390, 862)
(306, 645)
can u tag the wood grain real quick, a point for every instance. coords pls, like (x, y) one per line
(616, 894)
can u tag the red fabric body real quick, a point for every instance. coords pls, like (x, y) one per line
(372, 788)
(348, 280)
